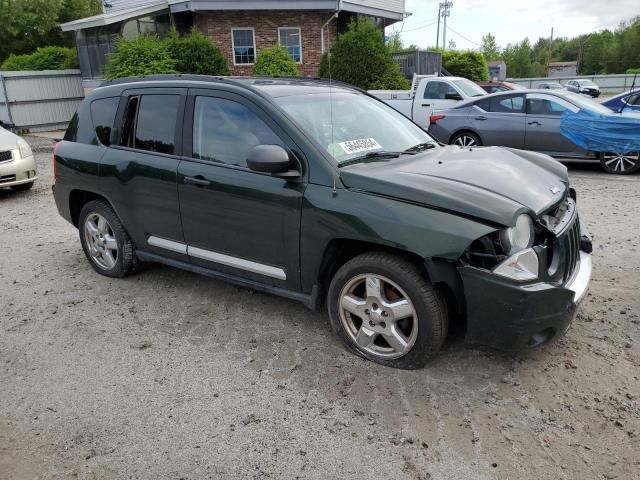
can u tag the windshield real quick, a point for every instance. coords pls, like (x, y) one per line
(361, 124)
(585, 82)
(469, 88)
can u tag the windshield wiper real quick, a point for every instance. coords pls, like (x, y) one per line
(421, 147)
(371, 157)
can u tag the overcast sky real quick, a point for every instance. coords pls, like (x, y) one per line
(512, 20)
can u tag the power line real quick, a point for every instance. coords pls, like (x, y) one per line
(463, 37)
(421, 27)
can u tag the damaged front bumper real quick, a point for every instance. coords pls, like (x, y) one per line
(512, 316)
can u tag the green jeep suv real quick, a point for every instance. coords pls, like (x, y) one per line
(319, 192)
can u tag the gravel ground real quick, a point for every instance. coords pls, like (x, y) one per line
(170, 375)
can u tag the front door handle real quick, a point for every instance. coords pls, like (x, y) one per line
(198, 180)
(426, 104)
(537, 124)
(481, 118)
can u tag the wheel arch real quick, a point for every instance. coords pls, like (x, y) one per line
(441, 273)
(78, 198)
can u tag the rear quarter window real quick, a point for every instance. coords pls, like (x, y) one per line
(103, 114)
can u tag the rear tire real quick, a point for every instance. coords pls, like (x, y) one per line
(620, 163)
(385, 310)
(23, 187)
(466, 140)
(105, 242)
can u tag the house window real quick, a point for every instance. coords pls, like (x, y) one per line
(244, 46)
(291, 39)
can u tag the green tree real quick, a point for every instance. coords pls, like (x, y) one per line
(195, 53)
(467, 64)
(45, 58)
(518, 59)
(394, 42)
(490, 49)
(275, 62)
(29, 24)
(360, 57)
(146, 55)
(628, 55)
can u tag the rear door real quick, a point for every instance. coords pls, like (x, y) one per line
(236, 220)
(138, 173)
(437, 95)
(544, 113)
(500, 120)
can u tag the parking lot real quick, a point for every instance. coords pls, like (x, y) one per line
(166, 374)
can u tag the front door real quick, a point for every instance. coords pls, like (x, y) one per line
(438, 95)
(138, 173)
(235, 220)
(544, 113)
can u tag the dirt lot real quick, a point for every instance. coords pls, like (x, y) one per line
(171, 375)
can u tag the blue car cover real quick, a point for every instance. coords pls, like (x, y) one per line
(617, 132)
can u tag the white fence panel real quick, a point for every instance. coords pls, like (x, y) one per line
(40, 101)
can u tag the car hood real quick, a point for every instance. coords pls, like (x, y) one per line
(492, 183)
(8, 140)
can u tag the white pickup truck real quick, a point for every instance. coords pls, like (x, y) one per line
(429, 93)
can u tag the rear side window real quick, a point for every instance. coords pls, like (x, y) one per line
(484, 104)
(150, 123)
(103, 113)
(507, 104)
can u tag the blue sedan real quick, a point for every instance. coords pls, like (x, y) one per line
(629, 100)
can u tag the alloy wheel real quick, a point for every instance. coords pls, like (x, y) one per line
(378, 316)
(101, 241)
(620, 162)
(465, 141)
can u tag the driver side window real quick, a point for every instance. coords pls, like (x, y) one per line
(438, 90)
(226, 131)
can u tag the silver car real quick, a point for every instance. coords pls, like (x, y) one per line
(584, 86)
(528, 120)
(17, 164)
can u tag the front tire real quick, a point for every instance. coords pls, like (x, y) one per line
(624, 163)
(105, 242)
(385, 310)
(466, 140)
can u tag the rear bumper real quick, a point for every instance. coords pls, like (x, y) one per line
(61, 197)
(509, 316)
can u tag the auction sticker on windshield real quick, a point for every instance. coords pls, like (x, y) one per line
(361, 145)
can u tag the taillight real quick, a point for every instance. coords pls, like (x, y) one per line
(434, 118)
(55, 161)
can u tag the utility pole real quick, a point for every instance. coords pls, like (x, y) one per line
(549, 52)
(438, 34)
(445, 6)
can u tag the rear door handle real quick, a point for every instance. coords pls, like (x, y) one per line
(198, 180)
(481, 118)
(537, 124)
(426, 104)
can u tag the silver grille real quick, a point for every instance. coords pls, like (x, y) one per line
(571, 240)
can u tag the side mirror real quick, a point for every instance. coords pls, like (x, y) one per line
(271, 159)
(452, 96)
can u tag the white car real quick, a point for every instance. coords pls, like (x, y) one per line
(429, 93)
(17, 164)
